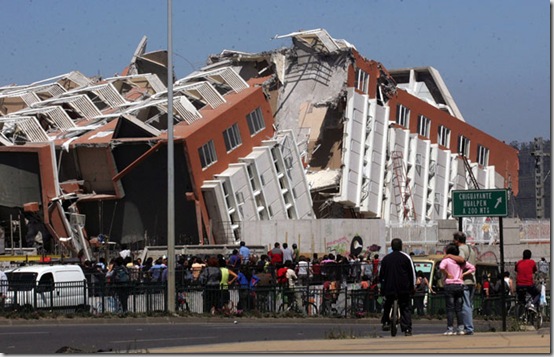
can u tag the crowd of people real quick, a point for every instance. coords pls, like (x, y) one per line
(248, 272)
(393, 277)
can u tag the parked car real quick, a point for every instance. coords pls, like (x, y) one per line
(47, 287)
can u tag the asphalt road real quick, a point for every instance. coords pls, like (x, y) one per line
(141, 334)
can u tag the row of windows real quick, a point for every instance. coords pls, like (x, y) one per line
(232, 138)
(424, 129)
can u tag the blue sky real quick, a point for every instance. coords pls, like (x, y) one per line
(494, 56)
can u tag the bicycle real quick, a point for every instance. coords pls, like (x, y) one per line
(228, 308)
(182, 303)
(112, 305)
(357, 306)
(308, 306)
(529, 315)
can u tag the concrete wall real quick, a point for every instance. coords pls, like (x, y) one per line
(515, 238)
(335, 235)
(316, 236)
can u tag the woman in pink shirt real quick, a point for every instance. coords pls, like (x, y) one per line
(453, 274)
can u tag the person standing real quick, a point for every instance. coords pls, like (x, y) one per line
(510, 289)
(125, 251)
(276, 254)
(304, 271)
(454, 288)
(397, 277)
(3, 289)
(210, 279)
(228, 277)
(422, 288)
(235, 261)
(244, 253)
(525, 283)
(295, 253)
(466, 254)
(120, 278)
(543, 268)
(289, 288)
(287, 253)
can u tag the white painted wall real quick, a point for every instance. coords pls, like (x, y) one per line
(315, 236)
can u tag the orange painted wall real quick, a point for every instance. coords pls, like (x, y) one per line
(502, 156)
(53, 219)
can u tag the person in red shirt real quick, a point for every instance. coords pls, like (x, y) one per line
(525, 283)
(276, 254)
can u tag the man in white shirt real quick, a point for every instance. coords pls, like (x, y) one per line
(287, 253)
(292, 278)
(125, 252)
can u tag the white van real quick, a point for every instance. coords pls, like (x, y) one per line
(47, 287)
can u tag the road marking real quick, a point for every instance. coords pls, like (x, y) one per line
(165, 339)
(24, 333)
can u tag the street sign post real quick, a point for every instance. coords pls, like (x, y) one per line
(480, 203)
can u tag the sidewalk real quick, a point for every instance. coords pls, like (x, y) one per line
(527, 342)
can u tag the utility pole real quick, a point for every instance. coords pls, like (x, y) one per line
(170, 170)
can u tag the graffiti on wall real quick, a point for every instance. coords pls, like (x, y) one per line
(338, 246)
(345, 246)
(534, 230)
(482, 230)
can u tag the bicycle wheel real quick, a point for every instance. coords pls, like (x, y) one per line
(311, 308)
(229, 308)
(537, 319)
(394, 318)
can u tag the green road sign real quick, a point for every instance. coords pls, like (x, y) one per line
(480, 203)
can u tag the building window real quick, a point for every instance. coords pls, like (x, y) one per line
(463, 146)
(362, 81)
(253, 184)
(207, 154)
(444, 136)
(482, 155)
(255, 121)
(423, 126)
(232, 137)
(402, 115)
(226, 194)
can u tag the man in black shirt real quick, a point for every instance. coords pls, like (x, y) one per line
(397, 277)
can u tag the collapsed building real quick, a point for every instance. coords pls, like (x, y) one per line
(312, 131)
(377, 143)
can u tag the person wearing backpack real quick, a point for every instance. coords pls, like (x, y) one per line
(210, 278)
(120, 279)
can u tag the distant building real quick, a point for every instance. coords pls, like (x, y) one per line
(535, 180)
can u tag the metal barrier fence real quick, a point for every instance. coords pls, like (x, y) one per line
(310, 300)
(148, 298)
(83, 297)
